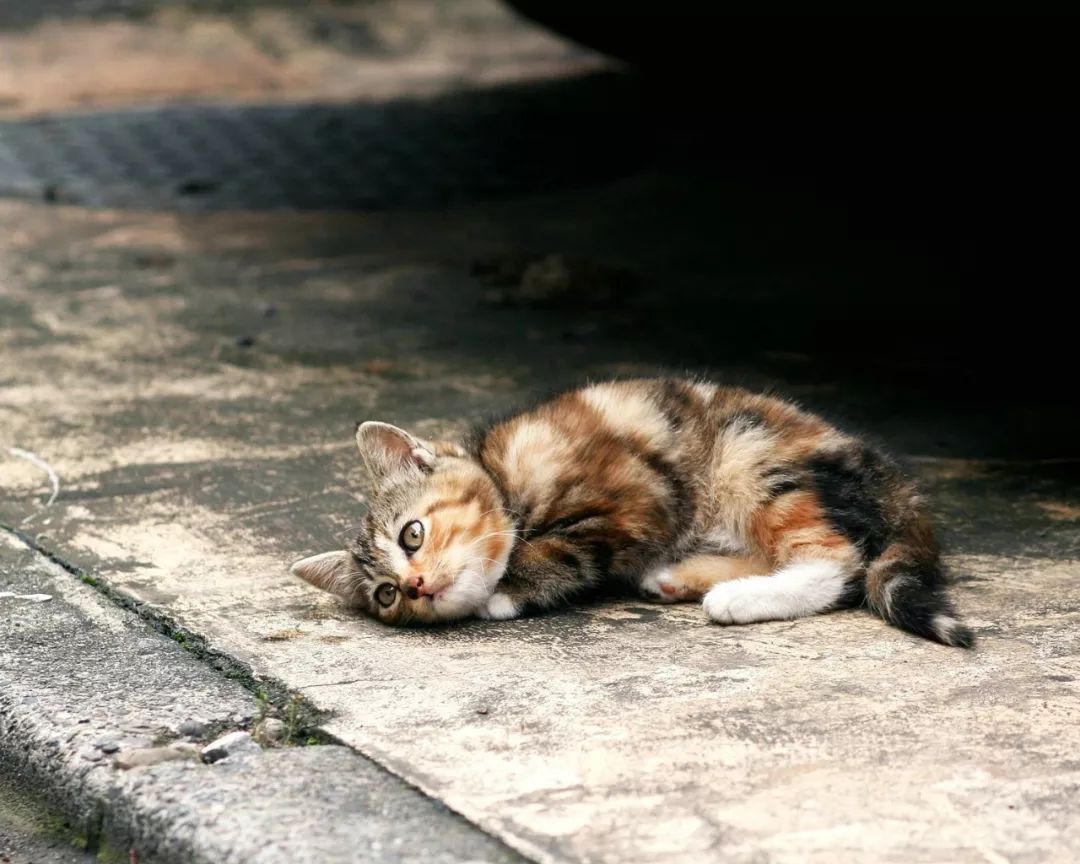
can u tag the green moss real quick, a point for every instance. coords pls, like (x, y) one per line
(107, 855)
(294, 716)
(24, 812)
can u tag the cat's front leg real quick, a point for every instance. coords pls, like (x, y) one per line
(500, 607)
(691, 578)
(543, 573)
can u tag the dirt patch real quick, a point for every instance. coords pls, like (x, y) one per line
(1060, 511)
(284, 635)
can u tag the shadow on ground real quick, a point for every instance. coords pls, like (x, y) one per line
(397, 154)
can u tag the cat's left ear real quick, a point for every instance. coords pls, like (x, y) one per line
(331, 571)
(388, 451)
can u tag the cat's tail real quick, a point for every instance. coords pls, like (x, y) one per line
(905, 585)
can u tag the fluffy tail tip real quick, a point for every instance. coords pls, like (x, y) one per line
(950, 631)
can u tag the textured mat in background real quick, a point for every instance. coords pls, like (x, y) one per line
(402, 154)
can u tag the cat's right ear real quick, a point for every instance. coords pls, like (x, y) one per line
(331, 571)
(388, 451)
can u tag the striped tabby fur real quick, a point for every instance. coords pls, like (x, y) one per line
(682, 490)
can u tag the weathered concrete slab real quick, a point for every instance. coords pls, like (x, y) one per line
(57, 55)
(192, 470)
(30, 832)
(84, 684)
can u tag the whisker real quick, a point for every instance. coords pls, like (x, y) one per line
(493, 510)
(513, 534)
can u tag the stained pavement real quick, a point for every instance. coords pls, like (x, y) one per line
(193, 379)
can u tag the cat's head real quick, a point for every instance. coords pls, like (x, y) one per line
(436, 538)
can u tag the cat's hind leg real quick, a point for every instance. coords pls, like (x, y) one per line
(802, 588)
(691, 578)
(815, 567)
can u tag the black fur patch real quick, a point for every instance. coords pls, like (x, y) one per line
(683, 509)
(563, 525)
(569, 559)
(602, 552)
(676, 403)
(915, 608)
(853, 595)
(361, 551)
(850, 487)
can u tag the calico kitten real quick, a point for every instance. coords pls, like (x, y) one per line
(683, 490)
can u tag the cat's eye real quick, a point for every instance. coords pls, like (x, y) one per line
(385, 594)
(412, 536)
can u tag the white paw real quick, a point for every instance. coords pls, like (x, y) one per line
(499, 607)
(659, 586)
(734, 603)
(804, 588)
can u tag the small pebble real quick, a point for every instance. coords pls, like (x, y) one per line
(272, 729)
(108, 746)
(233, 744)
(197, 186)
(192, 728)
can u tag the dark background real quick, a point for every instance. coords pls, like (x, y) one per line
(948, 141)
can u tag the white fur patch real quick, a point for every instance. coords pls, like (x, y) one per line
(794, 591)
(468, 594)
(653, 583)
(945, 626)
(537, 450)
(887, 593)
(741, 451)
(724, 540)
(499, 607)
(399, 561)
(628, 412)
(705, 391)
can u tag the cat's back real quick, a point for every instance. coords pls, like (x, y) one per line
(637, 447)
(595, 423)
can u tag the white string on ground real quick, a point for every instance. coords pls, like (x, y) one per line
(54, 478)
(33, 598)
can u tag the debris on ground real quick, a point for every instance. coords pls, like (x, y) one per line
(555, 280)
(233, 744)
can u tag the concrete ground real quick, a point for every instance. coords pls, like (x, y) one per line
(177, 396)
(30, 831)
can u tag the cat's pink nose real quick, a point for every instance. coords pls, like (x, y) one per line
(416, 586)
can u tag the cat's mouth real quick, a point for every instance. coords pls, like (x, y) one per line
(415, 593)
(432, 597)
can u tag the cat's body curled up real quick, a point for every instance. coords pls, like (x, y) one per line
(682, 490)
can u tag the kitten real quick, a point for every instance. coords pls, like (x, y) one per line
(683, 490)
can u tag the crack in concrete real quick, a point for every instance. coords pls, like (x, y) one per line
(276, 693)
(331, 683)
(93, 822)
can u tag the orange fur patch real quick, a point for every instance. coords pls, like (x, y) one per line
(699, 573)
(794, 526)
